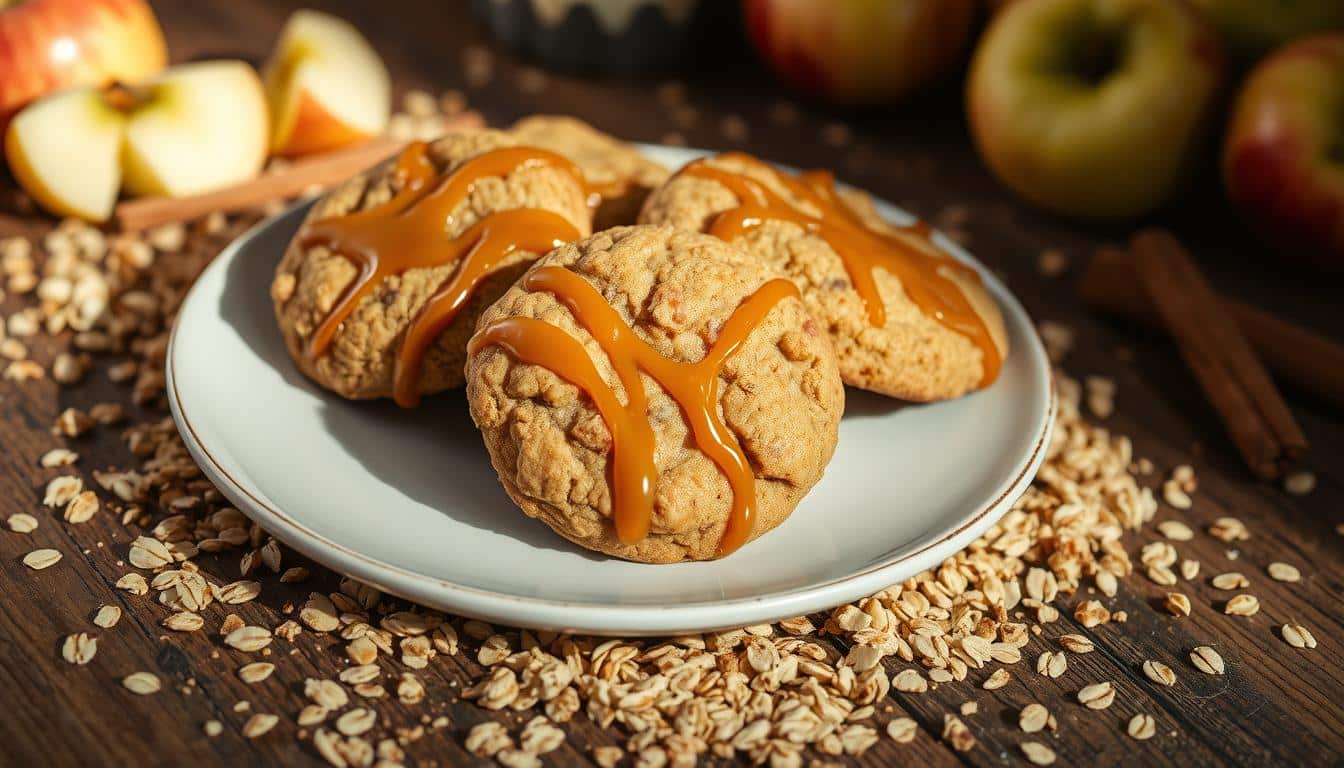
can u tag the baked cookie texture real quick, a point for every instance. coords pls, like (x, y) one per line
(912, 357)
(360, 361)
(604, 160)
(780, 394)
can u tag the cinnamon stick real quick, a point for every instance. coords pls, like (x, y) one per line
(1310, 362)
(319, 170)
(1232, 377)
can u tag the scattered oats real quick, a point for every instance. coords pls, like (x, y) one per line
(1091, 613)
(67, 369)
(79, 648)
(1142, 727)
(1175, 530)
(73, 422)
(1284, 572)
(167, 238)
(212, 728)
(237, 592)
(259, 725)
(327, 694)
(319, 614)
(1097, 695)
(909, 681)
(294, 575)
(1038, 753)
(1159, 673)
(1242, 605)
(143, 683)
(902, 730)
(1077, 643)
(1051, 664)
(517, 758)
(184, 621)
(1107, 583)
(357, 721)
(1230, 580)
(107, 616)
(1229, 529)
(956, 734)
(1189, 569)
(361, 650)
(255, 672)
(1207, 660)
(24, 370)
(1300, 483)
(312, 714)
(133, 583)
(149, 553)
(22, 522)
(411, 691)
(61, 490)
(231, 623)
(1173, 494)
(996, 680)
(1161, 575)
(969, 708)
(1033, 718)
(39, 559)
(82, 508)
(540, 736)
(487, 739)
(359, 675)
(59, 457)
(248, 638)
(1177, 604)
(1297, 635)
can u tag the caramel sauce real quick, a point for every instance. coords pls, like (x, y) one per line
(410, 231)
(927, 274)
(693, 385)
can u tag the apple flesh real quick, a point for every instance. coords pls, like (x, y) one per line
(325, 84)
(193, 128)
(1093, 108)
(860, 52)
(1283, 159)
(47, 45)
(1251, 28)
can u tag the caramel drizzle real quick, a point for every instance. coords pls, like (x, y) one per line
(910, 254)
(410, 231)
(693, 385)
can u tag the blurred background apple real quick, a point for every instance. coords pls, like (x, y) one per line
(1094, 108)
(1251, 28)
(46, 45)
(1283, 160)
(860, 52)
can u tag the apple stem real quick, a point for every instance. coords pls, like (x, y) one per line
(122, 97)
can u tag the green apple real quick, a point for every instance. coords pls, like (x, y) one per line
(860, 52)
(1093, 108)
(1251, 28)
(1283, 160)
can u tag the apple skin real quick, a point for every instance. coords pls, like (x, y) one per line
(47, 45)
(1283, 163)
(860, 52)
(1111, 144)
(1251, 28)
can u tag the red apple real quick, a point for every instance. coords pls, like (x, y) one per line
(1093, 108)
(860, 52)
(1283, 161)
(46, 45)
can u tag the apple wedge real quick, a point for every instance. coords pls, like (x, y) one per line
(193, 128)
(325, 84)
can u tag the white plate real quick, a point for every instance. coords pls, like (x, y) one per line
(407, 500)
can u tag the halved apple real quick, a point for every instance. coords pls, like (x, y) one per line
(194, 128)
(325, 84)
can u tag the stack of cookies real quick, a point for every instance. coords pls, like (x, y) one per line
(656, 362)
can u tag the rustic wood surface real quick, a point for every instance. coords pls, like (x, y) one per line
(1276, 705)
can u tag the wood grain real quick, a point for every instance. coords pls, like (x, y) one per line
(1276, 705)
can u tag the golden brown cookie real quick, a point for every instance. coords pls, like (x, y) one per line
(685, 295)
(605, 160)
(910, 354)
(360, 359)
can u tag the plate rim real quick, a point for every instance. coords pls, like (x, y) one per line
(587, 617)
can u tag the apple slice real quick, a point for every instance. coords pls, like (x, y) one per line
(64, 151)
(325, 84)
(193, 128)
(199, 127)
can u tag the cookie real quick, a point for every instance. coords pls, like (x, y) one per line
(906, 320)
(716, 340)
(423, 217)
(623, 172)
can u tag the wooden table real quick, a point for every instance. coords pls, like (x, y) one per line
(1276, 704)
